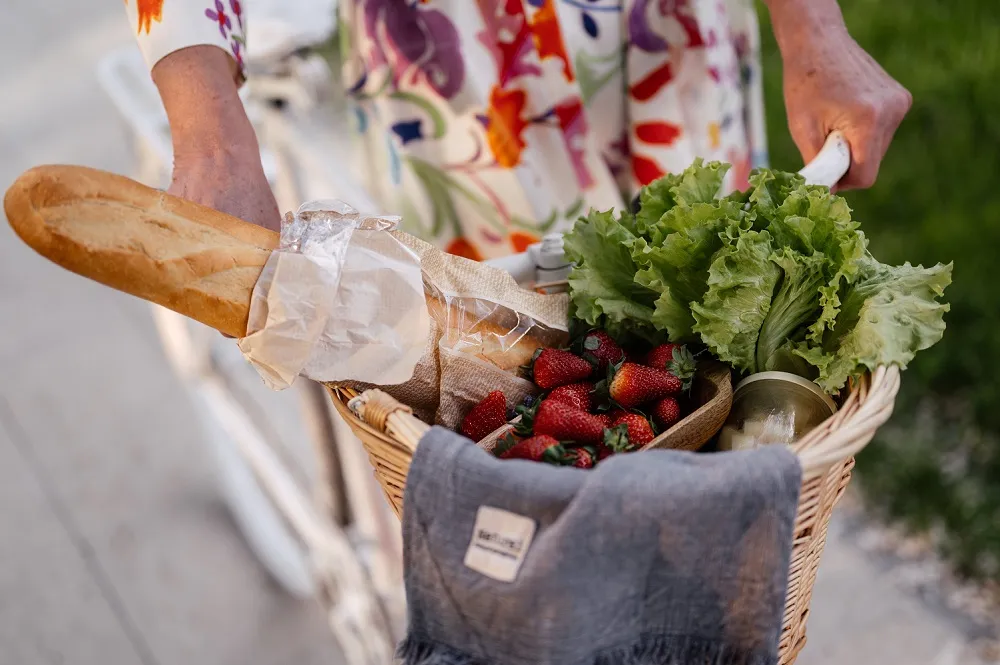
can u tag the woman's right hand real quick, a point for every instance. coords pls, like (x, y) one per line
(229, 179)
(216, 154)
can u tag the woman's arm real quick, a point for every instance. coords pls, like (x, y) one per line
(196, 59)
(216, 155)
(831, 84)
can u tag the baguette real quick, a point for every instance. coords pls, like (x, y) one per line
(189, 258)
(488, 339)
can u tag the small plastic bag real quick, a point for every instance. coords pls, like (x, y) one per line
(350, 301)
(341, 299)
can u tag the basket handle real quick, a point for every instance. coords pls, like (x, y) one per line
(387, 415)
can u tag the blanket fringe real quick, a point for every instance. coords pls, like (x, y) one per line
(414, 651)
(647, 650)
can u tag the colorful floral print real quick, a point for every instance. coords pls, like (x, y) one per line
(487, 123)
(147, 11)
(220, 17)
(505, 125)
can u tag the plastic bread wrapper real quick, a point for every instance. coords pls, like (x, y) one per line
(341, 299)
(484, 328)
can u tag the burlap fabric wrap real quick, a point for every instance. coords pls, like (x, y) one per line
(474, 309)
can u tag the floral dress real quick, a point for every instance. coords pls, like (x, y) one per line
(487, 123)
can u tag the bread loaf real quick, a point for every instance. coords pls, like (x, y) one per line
(189, 258)
(184, 256)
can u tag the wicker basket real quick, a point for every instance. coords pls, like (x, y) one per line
(390, 435)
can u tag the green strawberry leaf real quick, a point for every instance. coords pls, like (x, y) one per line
(528, 371)
(526, 426)
(616, 438)
(683, 365)
(506, 442)
(557, 455)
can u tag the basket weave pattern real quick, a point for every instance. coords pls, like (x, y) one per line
(390, 434)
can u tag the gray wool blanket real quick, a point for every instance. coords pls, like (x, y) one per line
(659, 557)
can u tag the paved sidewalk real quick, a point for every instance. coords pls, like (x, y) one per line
(114, 545)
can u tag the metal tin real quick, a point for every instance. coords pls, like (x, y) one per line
(774, 408)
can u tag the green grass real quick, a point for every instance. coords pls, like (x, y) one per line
(937, 199)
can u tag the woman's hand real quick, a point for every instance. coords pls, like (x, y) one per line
(227, 178)
(832, 84)
(216, 155)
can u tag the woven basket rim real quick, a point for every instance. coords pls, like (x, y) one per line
(867, 406)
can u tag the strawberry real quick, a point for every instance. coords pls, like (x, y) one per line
(576, 395)
(661, 356)
(485, 417)
(633, 385)
(559, 420)
(538, 449)
(638, 429)
(600, 350)
(582, 458)
(676, 359)
(666, 412)
(551, 368)
(605, 419)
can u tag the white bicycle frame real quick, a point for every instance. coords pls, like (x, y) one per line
(299, 541)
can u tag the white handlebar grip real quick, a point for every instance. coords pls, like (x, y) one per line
(520, 266)
(832, 162)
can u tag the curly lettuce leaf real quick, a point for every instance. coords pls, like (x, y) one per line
(741, 283)
(700, 183)
(602, 284)
(796, 302)
(888, 315)
(677, 267)
(812, 221)
(774, 278)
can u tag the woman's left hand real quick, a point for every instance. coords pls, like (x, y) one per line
(832, 84)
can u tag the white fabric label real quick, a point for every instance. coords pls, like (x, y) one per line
(500, 541)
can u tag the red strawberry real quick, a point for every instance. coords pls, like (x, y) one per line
(634, 384)
(538, 449)
(640, 432)
(601, 350)
(582, 458)
(662, 356)
(605, 419)
(676, 359)
(485, 417)
(667, 412)
(559, 420)
(552, 368)
(576, 395)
